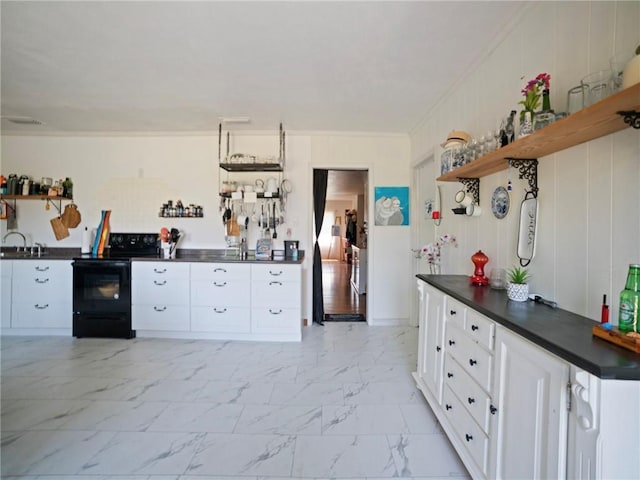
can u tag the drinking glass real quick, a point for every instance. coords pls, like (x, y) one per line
(598, 84)
(617, 62)
(577, 98)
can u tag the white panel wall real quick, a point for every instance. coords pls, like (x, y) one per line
(134, 175)
(589, 225)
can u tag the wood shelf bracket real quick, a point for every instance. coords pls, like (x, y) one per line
(631, 117)
(528, 170)
(472, 186)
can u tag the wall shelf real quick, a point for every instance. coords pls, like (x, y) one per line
(592, 122)
(252, 167)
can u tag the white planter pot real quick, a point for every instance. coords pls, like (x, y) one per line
(518, 292)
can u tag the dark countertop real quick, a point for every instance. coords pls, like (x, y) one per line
(182, 255)
(563, 333)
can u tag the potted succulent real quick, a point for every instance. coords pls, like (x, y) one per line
(517, 287)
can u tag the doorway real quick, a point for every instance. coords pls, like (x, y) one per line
(343, 246)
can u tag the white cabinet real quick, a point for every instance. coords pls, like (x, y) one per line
(220, 297)
(359, 270)
(41, 294)
(276, 292)
(430, 351)
(529, 434)
(6, 267)
(599, 446)
(160, 296)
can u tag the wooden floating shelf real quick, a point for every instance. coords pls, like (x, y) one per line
(592, 122)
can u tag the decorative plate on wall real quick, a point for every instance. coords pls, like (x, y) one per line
(500, 202)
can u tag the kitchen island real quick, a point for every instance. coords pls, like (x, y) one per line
(524, 390)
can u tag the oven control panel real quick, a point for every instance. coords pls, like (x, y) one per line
(134, 244)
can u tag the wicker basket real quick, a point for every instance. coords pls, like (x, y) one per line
(71, 216)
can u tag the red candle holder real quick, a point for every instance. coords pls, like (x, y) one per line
(479, 259)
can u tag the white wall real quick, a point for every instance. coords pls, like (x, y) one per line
(589, 215)
(134, 175)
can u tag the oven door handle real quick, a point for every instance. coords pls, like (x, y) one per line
(100, 263)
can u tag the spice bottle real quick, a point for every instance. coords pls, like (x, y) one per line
(629, 300)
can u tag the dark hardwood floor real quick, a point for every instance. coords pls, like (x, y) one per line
(338, 294)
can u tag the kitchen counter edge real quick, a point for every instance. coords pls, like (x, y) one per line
(183, 255)
(563, 333)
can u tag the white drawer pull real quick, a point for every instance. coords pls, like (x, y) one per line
(219, 310)
(274, 312)
(158, 270)
(219, 284)
(223, 270)
(42, 281)
(41, 307)
(156, 282)
(275, 274)
(275, 283)
(42, 269)
(159, 309)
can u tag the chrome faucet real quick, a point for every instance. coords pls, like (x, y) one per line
(15, 232)
(40, 247)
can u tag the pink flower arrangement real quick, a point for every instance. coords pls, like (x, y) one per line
(432, 251)
(532, 92)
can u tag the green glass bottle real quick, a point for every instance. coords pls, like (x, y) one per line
(546, 101)
(629, 301)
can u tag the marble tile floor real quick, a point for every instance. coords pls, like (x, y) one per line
(340, 404)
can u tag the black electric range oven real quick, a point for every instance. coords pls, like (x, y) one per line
(102, 286)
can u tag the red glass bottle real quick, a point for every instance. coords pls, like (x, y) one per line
(479, 259)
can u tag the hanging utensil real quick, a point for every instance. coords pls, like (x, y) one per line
(528, 228)
(275, 234)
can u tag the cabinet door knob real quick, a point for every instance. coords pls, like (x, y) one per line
(448, 407)
(471, 400)
(493, 410)
(474, 328)
(438, 348)
(451, 342)
(449, 374)
(468, 437)
(452, 312)
(472, 362)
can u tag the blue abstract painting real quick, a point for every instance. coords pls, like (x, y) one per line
(391, 206)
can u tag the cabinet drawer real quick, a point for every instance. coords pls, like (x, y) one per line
(56, 269)
(220, 292)
(41, 315)
(475, 360)
(474, 439)
(455, 312)
(275, 320)
(160, 291)
(283, 273)
(42, 287)
(159, 270)
(167, 317)
(480, 328)
(276, 293)
(220, 319)
(220, 271)
(475, 400)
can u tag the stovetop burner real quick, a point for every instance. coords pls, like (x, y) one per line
(130, 245)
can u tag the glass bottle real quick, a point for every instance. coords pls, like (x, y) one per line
(67, 188)
(546, 102)
(629, 300)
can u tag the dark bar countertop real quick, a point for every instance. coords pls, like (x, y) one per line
(563, 333)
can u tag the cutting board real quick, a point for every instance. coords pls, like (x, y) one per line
(616, 336)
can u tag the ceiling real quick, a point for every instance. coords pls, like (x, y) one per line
(182, 66)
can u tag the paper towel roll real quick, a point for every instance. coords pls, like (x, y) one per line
(87, 241)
